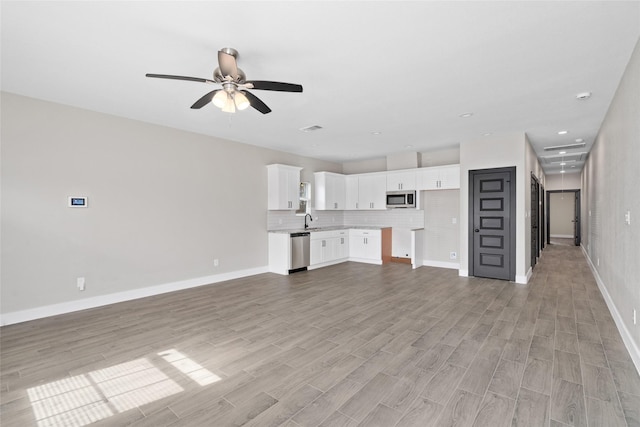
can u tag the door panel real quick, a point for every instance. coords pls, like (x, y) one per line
(491, 232)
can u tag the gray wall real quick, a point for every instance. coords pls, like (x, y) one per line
(610, 181)
(163, 204)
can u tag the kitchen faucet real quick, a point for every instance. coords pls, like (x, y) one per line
(305, 221)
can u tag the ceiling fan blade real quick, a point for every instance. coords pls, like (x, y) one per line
(228, 65)
(205, 99)
(190, 79)
(279, 86)
(256, 102)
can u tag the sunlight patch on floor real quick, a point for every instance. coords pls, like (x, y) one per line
(190, 368)
(87, 398)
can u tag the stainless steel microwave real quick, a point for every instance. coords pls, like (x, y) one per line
(401, 199)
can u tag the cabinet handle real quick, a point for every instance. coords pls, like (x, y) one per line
(324, 243)
(342, 240)
(335, 205)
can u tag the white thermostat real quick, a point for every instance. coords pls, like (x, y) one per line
(78, 202)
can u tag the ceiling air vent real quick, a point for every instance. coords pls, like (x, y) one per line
(565, 147)
(311, 128)
(563, 158)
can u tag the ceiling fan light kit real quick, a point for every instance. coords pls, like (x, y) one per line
(234, 94)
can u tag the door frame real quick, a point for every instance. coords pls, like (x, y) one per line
(577, 237)
(512, 217)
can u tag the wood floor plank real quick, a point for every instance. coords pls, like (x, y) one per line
(567, 403)
(495, 411)
(461, 409)
(532, 409)
(538, 376)
(507, 378)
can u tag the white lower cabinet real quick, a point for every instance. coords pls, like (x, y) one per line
(365, 246)
(329, 247)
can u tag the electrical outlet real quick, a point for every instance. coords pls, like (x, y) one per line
(453, 255)
(80, 283)
(635, 319)
(454, 220)
(598, 262)
(216, 262)
(627, 217)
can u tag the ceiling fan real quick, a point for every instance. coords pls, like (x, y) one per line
(234, 94)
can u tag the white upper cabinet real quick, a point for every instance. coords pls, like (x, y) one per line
(401, 180)
(351, 191)
(372, 193)
(438, 178)
(330, 191)
(283, 187)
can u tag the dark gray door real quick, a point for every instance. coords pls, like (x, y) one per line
(535, 207)
(576, 221)
(493, 224)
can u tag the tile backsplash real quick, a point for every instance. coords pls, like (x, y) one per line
(399, 218)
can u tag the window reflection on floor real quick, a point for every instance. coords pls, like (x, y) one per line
(187, 366)
(87, 398)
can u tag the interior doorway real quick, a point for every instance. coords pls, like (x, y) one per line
(563, 217)
(492, 222)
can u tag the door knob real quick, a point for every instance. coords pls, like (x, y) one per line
(477, 230)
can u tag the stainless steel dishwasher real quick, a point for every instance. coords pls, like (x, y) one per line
(300, 251)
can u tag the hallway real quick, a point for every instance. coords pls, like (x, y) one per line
(346, 345)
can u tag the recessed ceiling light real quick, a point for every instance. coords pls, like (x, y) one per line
(583, 95)
(376, 133)
(486, 134)
(561, 171)
(563, 163)
(573, 166)
(466, 115)
(579, 140)
(562, 152)
(408, 146)
(563, 132)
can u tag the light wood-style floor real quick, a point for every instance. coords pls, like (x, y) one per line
(346, 345)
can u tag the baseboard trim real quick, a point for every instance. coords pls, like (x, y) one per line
(631, 345)
(86, 303)
(463, 273)
(441, 264)
(562, 236)
(523, 280)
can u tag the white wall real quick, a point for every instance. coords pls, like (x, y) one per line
(563, 181)
(441, 234)
(163, 204)
(610, 181)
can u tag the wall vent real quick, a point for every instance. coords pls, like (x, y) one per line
(565, 147)
(567, 158)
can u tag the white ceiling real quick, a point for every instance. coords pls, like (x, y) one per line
(405, 69)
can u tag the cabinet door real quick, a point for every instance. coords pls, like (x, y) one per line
(335, 192)
(283, 186)
(342, 247)
(372, 192)
(329, 191)
(372, 248)
(316, 252)
(450, 177)
(404, 180)
(427, 179)
(352, 192)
